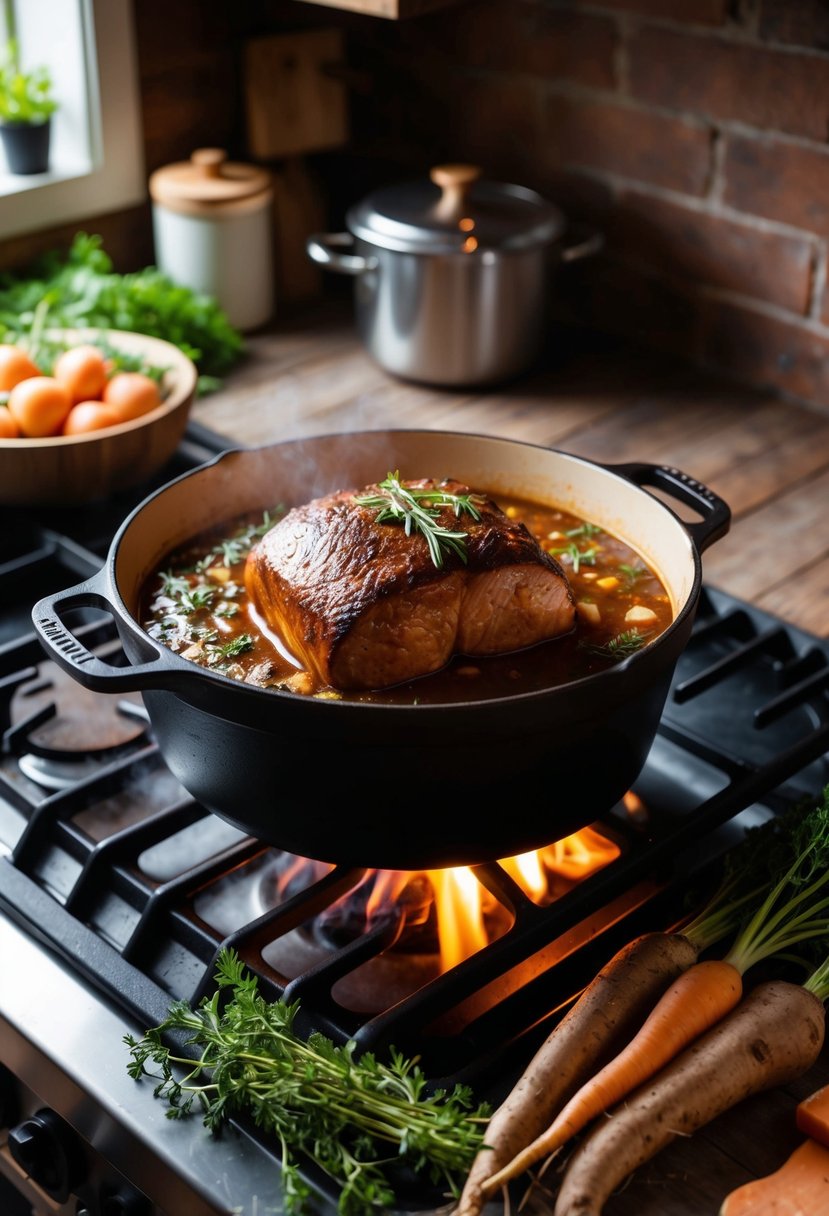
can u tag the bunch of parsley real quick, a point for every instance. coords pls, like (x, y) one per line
(80, 288)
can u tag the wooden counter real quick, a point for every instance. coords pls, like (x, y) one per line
(769, 460)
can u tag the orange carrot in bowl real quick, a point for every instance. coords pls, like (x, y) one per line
(775, 1035)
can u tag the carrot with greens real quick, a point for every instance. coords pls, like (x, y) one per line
(794, 910)
(607, 1013)
(774, 1036)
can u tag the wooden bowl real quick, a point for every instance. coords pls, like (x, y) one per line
(65, 469)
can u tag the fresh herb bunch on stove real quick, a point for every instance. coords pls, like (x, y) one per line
(355, 1117)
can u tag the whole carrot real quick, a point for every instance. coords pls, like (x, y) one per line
(775, 1035)
(794, 909)
(605, 1015)
(696, 1000)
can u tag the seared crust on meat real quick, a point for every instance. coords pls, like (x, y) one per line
(364, 606)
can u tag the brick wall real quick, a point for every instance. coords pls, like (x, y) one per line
(694, 132)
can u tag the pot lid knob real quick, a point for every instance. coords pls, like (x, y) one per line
(454, 182)
(209, 161)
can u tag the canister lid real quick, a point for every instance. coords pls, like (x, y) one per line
(209, 182)
(455, 212)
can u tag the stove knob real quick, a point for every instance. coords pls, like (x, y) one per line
(50, 1153)
(125, 1203)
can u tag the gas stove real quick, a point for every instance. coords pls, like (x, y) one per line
(118, 890)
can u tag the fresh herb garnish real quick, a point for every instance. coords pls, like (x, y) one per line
(585, 529)
(356, 1117)
(579, 557)
(195, 598)
(632, 573)
(621, 646)
(235, 549)
(230, 650)
(418, 510)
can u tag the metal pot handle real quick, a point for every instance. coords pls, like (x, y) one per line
(581, 241)
(69, 653)
(325, 248)
(715, 512)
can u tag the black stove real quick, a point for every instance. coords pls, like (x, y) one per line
(118, 890)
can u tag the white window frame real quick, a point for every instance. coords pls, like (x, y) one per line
(97, 138)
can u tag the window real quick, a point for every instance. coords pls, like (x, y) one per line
(97, 160)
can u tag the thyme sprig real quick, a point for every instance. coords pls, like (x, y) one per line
(578, 557)
(354, 1116)
(418, 510)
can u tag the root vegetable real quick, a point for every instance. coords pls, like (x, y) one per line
(799, 1188)
(606, 1014)
(774, 1036)
(812, 1116)
(698, 999)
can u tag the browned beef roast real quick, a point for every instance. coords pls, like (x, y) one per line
(364, 606)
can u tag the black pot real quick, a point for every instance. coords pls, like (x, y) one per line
(397, 786)
(26, 145)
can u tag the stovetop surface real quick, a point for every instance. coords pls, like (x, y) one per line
(133, 888)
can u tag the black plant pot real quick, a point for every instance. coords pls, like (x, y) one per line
(26, 146)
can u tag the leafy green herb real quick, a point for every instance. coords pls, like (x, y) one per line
(196, 598)
(236, 548)
(621, 646)
(356, 1117)
(632, 574)
(226, 610)
(81, 288)
(230, 650)
(585, 529)
(25, 97)
(579, 557)
(418, 510)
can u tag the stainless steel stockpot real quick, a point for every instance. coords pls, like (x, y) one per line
(452, 274)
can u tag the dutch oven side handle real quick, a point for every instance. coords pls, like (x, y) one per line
(71, 654)
(327, 249)
(715, 512)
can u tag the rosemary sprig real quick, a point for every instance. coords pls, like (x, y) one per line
(356, 1117)
(579, 557)
(621, 646)
(418, 510)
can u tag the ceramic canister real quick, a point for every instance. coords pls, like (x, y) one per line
(212, 224)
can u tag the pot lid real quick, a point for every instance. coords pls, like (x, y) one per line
(208, 180)
(455, 212)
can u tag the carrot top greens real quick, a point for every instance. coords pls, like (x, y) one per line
(795, 907)
(354, 1116)
(775, 877)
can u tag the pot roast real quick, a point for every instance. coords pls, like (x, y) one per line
(363, 605)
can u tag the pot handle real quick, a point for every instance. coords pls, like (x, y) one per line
(325, 248)
(581, 241)
(69, 653)
(715, 512)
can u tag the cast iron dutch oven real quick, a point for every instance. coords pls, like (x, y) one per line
(399, 786)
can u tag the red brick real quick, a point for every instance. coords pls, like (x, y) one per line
(782, 181)
(801, 22)
(698, 246)
(696, 12)
(498, 124)
(523, 37)
(653, 148)
(777, 90)
(766, 351)
(609, 295)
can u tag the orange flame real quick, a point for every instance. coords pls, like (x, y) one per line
(467, 916)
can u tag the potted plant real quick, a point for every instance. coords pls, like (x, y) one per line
(26, 108)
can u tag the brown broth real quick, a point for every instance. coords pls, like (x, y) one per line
(197, 605)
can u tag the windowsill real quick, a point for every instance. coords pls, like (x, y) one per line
(20, 183)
